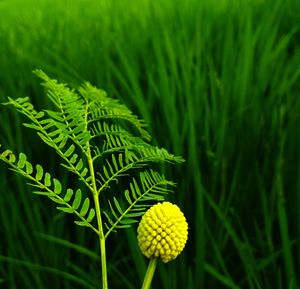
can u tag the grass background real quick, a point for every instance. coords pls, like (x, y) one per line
(218, 82)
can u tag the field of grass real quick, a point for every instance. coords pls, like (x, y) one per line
(217, 82)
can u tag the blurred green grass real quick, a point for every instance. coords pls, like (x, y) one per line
(218, 83)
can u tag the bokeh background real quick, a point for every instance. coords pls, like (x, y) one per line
(218, 82)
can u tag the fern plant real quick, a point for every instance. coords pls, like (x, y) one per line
(103, 144)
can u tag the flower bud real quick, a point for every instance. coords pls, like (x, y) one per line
(162, 232)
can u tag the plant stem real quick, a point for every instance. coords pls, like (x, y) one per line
(101, 242)
(99, 221)
(149, 273)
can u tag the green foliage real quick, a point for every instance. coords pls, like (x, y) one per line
(210, 78)
(100, 141)
(153, 187)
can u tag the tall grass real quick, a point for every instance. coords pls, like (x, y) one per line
(217, 82)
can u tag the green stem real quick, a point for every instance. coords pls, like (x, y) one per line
(149, 274)
(100, 225)
(101, 242)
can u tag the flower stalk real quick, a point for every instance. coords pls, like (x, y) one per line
(149, 274)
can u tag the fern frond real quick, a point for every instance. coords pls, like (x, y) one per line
(100, 141)
(103, 108)
(114, 137)
(151, 186)
(119, 166)
(72, 111)
(51, 187)
(55, 134)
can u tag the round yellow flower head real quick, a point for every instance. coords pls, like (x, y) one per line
(162, 232)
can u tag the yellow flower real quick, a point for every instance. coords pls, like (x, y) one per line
(162, 232)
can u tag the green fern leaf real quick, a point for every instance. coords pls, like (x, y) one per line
(47, 180)
(117, 205)
(29, 168)
(50, 187)
(69, 151)
(82, 223)
(91, 215)
(127, 196)
(68, 195)
(57, 186)
(42, 193)
(79, 165)
(85, 207)
(22, 160)
(128, 222)
(155, 187)
(77, 200)
(66, 209)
